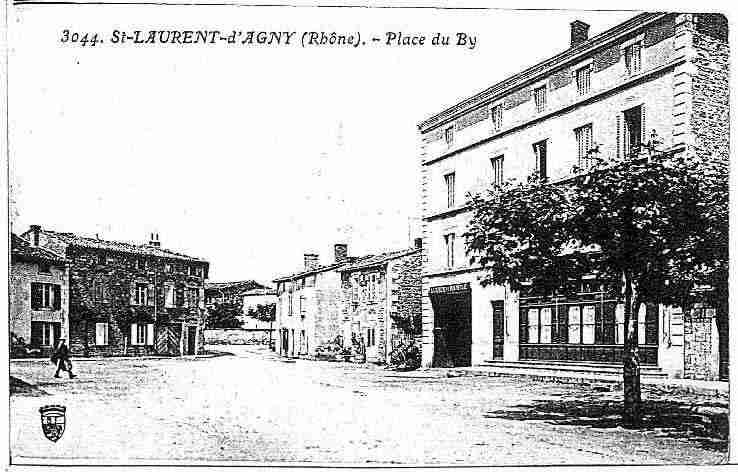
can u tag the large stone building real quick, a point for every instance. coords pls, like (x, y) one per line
(39, 298)
(351, 298)
(657, 74)
(129, 299)
(382, 291)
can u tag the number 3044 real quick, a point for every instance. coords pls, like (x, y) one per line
(80, 39)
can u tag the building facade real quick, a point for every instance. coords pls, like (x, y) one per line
(39, 299)
(657, 76)
(128, 299)
(310, 305)
(380, 291)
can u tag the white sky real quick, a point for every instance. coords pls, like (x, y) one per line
(233, 154)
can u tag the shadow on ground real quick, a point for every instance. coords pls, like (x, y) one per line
(19, 387)
(705, 423)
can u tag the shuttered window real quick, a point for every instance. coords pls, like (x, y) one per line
(142, 334)
(583, 78)
(496, 113)
(633, 58)
(540, 155)
(539, 96)
(496, 171)
(45, 296)
(450, 189)
(44, 333)
(583, 136)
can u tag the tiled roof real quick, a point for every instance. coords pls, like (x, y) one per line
(141, 249)
(22, 249)
(239, 285)
(370, 261)
(259, 291)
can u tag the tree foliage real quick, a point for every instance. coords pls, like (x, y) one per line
(263, 312)
(656, 226)
(224, 315)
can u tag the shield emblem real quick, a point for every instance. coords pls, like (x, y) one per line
(52, 421)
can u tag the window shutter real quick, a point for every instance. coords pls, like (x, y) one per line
(56, 328)
(179, 294)
(150, 334)
(644, 134)
(36, 295)
(134, 332)
(618, 134)
(150, 297)
(36, 333)
(133, 293)
(57, 297)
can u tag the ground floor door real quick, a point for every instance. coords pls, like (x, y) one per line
(453, 325)
(192, 340)
(498, 329)
(285, 342)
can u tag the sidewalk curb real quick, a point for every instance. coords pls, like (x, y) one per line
(123, 358)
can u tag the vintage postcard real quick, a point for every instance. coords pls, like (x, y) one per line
(367, 234)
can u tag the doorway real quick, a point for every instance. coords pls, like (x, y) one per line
(453, 325)
(191, 340)
(498, 329)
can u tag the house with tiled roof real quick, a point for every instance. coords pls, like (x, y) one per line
(127, 298)
(318, 305)
(39, 298)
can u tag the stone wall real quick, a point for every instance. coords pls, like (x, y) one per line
(700, 344)
(238, 336)
(710, 88)
(406, 291)
(118, 273)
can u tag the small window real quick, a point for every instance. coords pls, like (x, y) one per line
(169, 297)
(101, 259)
(101, 334)
(633, 58)
(449, 134)
(44, 268)
(496, 113)
(539, 151)
(496, 169)
(450, 189)
(45, 296)
(539, 96)
(583, 76)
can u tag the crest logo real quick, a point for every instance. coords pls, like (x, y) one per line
(53, 420)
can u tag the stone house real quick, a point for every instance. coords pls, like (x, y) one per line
(129, 299)
(310, 305)
(656, 76)
(248, 293)
(379, 290)
(39, 298)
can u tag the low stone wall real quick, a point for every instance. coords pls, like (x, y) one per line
(238, 336)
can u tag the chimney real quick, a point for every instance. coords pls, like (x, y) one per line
(579, 32)
(154, 240)
(35, 230)
(418, 243)
(341, 252)
(311, 261)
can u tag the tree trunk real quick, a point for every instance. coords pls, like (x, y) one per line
(631, 363)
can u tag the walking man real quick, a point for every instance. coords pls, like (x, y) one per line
(60, 358)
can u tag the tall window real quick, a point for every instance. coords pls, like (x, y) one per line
(583, 136)
(449, 134)
(633, 58)
(142, 334)
(632, 131)
(44, 333)
(45, 296)
(193, 297)
(290, 298)
(370, 337)
(169, 298)
(497, 165)
(588, 324)
(101, 334)
(141, 292)
(583, 79)
(539, 95)
(496, 113)
(539, 151)
(450, 189)
(450, 240)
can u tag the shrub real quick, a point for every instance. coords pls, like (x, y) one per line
(406, 356)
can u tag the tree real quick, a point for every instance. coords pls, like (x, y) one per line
(224, 315)
(656, 226)
(266, 313)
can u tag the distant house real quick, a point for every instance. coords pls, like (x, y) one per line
(380, 290)
(39, 298)
(248, 293)
(351, 299)
(129, 299)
